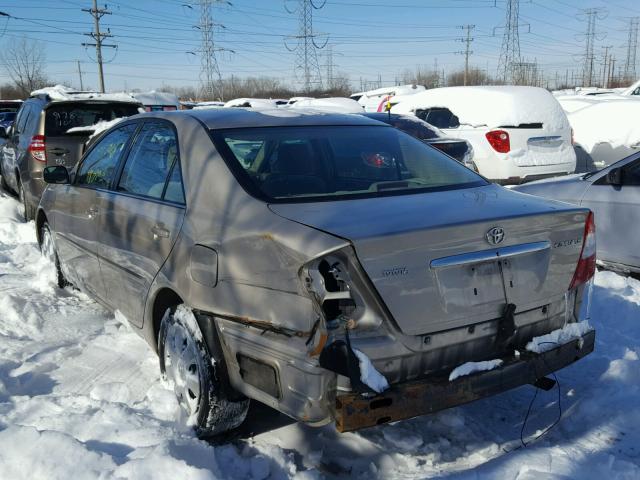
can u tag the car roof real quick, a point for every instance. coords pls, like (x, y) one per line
(276, 117)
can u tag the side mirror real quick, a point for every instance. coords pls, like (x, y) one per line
(614, 177)
(55, 174)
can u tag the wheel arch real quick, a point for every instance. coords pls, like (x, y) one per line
(164, 298)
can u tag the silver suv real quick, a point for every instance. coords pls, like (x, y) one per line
(329, 266)
(52, 131)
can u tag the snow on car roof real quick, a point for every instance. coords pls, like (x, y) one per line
(251, 103)
(394, 90)
(491, 106)
(96, 128)
(330, 105)
(60, 93)
(604, 122)
(157, 98)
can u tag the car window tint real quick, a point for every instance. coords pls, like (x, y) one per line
(175, 190)
(631, 175)
(98, 166)
(148, 164)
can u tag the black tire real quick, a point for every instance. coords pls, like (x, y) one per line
(48, 250)
(26, 214)
(213, 406)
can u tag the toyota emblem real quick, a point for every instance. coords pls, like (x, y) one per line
(495, 235)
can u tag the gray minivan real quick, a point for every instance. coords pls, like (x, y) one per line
(43, 134)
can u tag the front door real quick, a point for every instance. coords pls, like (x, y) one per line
(617, 215)
(141, 218)
(79, 207)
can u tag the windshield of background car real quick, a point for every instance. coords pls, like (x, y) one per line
(59, 118)
(335, 162)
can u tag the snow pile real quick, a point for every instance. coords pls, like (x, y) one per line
(208, 105)
(369, 375)
(96, 128)
(563, 335)
(492, 107)
(473, 367)
(60, 92)
(607, 122)
(80, 397)
(329, 105)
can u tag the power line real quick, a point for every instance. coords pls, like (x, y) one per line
(306, 69)
(591, 15)
(97, 14)
(210, 77)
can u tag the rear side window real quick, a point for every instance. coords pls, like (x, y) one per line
(99, 165)
(150, 163)
(438, 117)
(60, 118)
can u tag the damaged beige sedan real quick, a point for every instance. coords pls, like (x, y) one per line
(329, 266)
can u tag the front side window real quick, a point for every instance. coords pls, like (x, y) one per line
(98, 166)
(336, 162)
(150, 161)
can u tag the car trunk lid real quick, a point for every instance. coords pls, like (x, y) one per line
(430, 259)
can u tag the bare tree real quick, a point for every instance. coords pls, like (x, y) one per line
(24, 60)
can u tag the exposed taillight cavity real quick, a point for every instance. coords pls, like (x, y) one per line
(37, 148)
(586, 268)
(499, 140)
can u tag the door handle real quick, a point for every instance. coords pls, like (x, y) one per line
(159, 231)
(92, 212)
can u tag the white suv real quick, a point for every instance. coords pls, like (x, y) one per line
(517, 133)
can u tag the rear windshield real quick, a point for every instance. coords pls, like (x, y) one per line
(331, 162)
(60, 118)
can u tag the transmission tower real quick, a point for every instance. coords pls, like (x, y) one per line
(632, 48)
(510, 51)
(97, 14)
(330, 67)
(210, 77)
(306, 69)
(591, 15)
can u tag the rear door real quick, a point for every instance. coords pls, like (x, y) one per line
(141, 218)
(79, 207)
(68, 126)
(617, 215)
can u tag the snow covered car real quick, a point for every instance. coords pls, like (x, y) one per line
(613, 194)
(518, 134)
(51, 128)
(375, 100)
(456, 148)
(329, 266)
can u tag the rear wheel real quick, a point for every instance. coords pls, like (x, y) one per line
(198, 376)
(49, 252)
(24, 208)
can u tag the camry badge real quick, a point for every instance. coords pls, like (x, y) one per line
(495, 235)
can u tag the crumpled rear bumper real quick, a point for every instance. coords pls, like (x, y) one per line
(411, 399)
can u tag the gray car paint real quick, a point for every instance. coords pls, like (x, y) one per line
(260, 251)
(616, 210)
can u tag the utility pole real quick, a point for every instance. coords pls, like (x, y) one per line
(307, 69)
(97, 14)
(80, 75)
(605, 66)
(330, 67)
(467, 52)
(632, 48)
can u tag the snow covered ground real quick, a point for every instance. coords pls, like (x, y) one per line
(80, 398)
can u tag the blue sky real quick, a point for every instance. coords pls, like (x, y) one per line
(370, 38)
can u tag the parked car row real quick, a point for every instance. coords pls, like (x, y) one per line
(328, 265)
